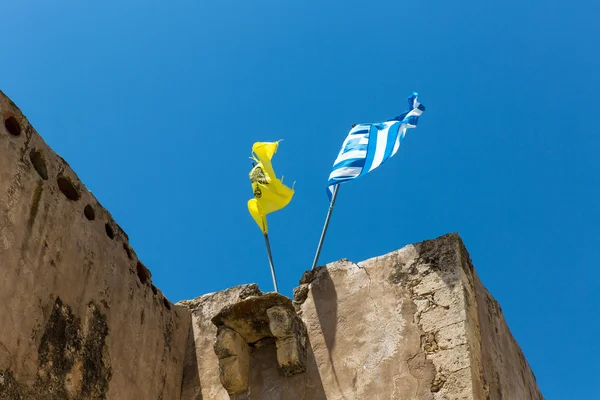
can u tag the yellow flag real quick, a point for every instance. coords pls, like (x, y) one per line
(270, 194)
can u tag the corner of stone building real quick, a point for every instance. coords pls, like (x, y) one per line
(503, 370)
(438, 289)
(440, 350)
(497, 366)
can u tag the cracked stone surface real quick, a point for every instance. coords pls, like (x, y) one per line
(413, 324)
(363, 330)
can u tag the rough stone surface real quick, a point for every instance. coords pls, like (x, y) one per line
(249, 318)
(291, 355)
(412, 324)
(80, 317)
(250, 290)
(234, 360)
(290, 339)
(363, 329)
(234, 374)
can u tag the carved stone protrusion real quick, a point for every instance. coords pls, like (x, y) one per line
(248, 322)
(290, 339)
(234, 360)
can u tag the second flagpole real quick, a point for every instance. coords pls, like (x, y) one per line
(271, 262)
(316, 260)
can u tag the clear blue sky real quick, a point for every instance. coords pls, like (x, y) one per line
(156, 108)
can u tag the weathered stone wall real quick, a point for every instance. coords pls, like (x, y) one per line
(80, 317)
(412, 324)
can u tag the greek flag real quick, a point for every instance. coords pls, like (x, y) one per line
(370, 145)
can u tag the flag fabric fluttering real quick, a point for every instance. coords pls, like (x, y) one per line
(369, 145)
(270, 194)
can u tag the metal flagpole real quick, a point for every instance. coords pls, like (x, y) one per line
(335, 192)
(271, 262)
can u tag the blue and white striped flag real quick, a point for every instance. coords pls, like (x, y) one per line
(370, 145)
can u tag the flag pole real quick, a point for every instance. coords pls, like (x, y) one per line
(335, 192)
(271, 262)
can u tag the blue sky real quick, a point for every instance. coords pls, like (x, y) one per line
(156, 108)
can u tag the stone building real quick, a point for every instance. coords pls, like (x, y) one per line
(82, 319)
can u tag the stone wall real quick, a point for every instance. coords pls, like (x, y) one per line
(80, 317)
(412, 324)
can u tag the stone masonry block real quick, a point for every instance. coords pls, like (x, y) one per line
(291, 355)
(234, 360)
(290, 338)
(234, 373)
(282, 322)
(230, 343)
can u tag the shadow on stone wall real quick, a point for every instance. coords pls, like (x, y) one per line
(191, 389)
(268, 382)
(326, 306)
